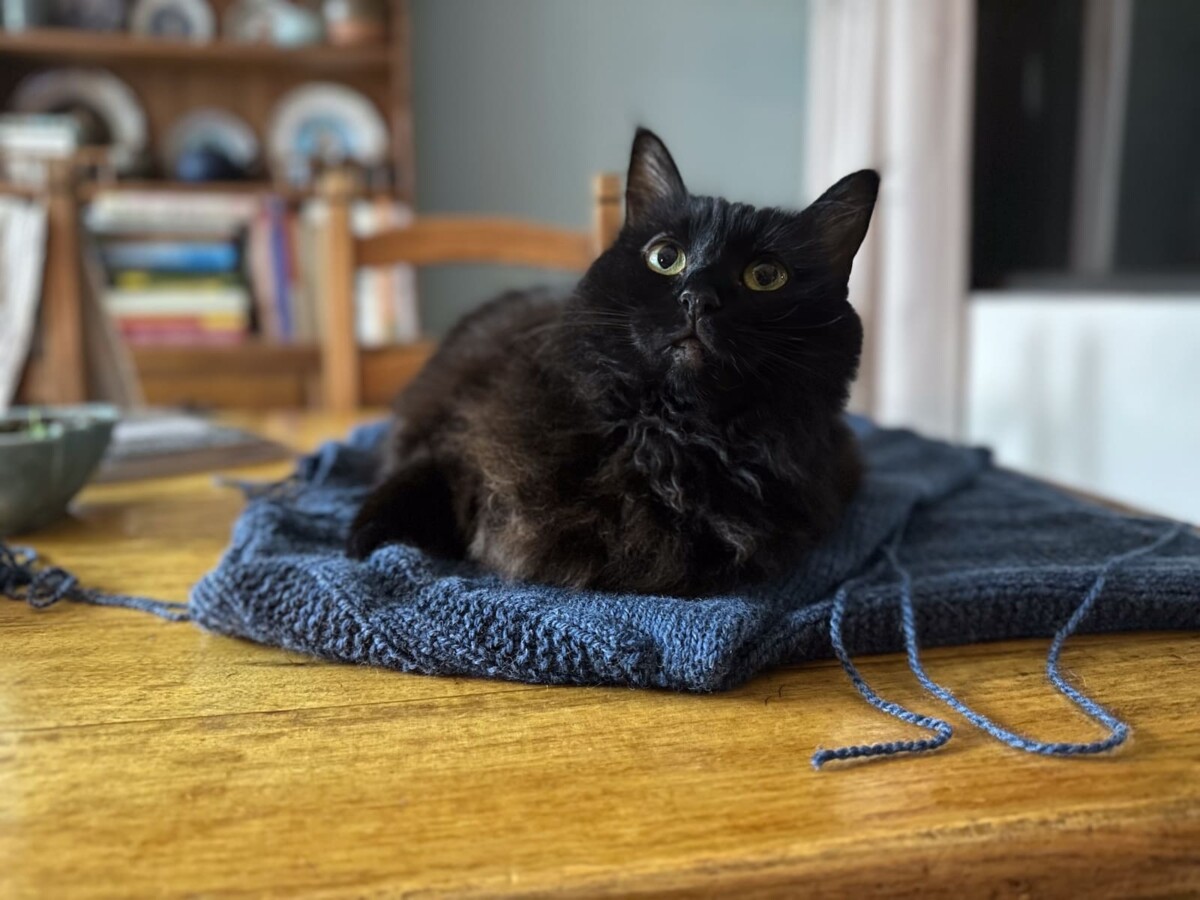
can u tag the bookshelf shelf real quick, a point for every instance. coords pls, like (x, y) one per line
(62, 45)
(252, 357)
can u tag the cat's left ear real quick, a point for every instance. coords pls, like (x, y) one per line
(654, 181)
(841, 215)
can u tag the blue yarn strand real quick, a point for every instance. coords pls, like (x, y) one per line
(940, 728)
(1118, 731)
(24, 578)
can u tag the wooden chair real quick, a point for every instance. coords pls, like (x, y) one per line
(434, 240)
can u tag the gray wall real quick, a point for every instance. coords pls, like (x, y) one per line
(519, 102)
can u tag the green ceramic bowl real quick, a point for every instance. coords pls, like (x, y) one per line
(43, 468)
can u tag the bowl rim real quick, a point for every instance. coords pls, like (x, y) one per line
(55, 432)
(74, 413)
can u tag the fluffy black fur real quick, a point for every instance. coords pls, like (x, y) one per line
(648, 432)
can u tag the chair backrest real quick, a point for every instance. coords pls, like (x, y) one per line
(437, 240)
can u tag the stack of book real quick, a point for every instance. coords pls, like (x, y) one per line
(28, 141)
(174, 265)
(212, 268)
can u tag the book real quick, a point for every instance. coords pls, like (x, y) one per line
(177, 212)
(386, 296)
(182, 338)
(38, 134)
(281, 267)
(141, 278)
(261, 275)
(207, 322)
(171, 256)
(122, 302)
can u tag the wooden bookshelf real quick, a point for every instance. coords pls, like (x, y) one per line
(61, 45)
(171, 78)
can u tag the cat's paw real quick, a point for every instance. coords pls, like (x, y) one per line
(414, 506)
(366, 535)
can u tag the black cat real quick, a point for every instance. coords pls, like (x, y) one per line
(673, 425)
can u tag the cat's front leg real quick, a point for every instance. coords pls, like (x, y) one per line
(415, 506)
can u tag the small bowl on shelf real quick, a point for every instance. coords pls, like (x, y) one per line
(47, 454)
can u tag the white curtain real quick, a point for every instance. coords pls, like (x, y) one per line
(890, 87)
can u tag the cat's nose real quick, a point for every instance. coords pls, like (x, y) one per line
(698, 301)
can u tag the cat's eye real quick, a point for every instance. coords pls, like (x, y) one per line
(765, 275)
(665, 258)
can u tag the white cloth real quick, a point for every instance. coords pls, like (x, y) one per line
(890, 88)
(22, 256)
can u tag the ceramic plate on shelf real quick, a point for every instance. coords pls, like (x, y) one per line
(105, 106)
(214, 130)
(329, 123)
(185, 20)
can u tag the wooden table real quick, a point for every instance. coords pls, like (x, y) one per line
(139, 757)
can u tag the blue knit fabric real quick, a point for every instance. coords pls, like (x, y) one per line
(986, 555)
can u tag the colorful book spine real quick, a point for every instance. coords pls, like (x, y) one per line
(181, 337)
(124, 302)
(140, 279)
(281, 267)
(167, 256)
(262, 275)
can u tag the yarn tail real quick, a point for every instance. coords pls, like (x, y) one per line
(941, 729)
(1118, 731)
(25, 578)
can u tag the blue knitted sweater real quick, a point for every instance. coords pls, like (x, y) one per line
(989, 554)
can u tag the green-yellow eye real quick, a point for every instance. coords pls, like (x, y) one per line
(765, 276)
(665, 258)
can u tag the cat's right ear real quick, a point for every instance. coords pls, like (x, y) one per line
(841, 215)
(654, 181)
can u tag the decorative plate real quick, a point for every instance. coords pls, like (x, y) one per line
(211, 129)
(329, 123)
(186, 20)
(106, 107)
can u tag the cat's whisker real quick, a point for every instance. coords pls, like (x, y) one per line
(788, 315)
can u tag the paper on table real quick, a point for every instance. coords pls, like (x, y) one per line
(22, 254)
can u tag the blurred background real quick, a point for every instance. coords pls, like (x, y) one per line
(174, 175)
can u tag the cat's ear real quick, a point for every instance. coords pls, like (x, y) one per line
(841, 215)
(654, 181)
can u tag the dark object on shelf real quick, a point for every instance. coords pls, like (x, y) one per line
(89, 15)
(216, 130)
(207, 164)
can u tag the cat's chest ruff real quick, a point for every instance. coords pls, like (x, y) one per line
(684, 465)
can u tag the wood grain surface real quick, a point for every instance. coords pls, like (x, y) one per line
(142, 758)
